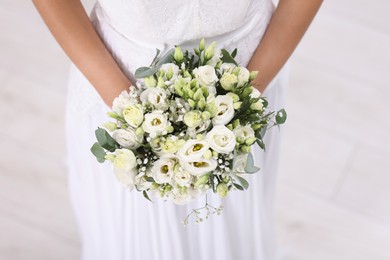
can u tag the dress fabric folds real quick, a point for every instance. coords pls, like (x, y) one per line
(116, 224)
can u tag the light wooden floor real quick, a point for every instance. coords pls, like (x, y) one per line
(334, 186)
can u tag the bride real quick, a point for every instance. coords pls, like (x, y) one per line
(105, 49)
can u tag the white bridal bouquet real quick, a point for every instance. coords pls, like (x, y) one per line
(187, 127)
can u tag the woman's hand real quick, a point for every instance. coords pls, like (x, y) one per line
(286, 28)
(71, 27)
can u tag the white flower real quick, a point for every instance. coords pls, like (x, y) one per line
(228, 80)
(155, 96)
(225, 110)
(163, 169)
(193, 118)
(240, 163)
(134, 115)
(199, 166)
(243, 76)
(227, 67)
(127, 138)
(206, 75)
(181, 196)
(121, 102)
(125, 167)
(192, 150)
(221, 139)
(255, 93)
(183, 178)
(141, 183)
(243, 132)
(155, 123)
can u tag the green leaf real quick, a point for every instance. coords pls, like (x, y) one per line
(155, 58)
(234, 53)
(167, 58)
(105, 140)
(144, 72)
(249, 166)
(260, 143)
(99, 152)
(281, 116)
(244, 183)
(149, 179)
(226, 57)
(239, 187)
(146, 196)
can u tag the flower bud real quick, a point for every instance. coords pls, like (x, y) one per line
(110, 126)
(198, 94)
(247, 91)
(256, 126)
(170, 129)
(234, 96)
(258, 105)
(245, 149)
(218, 65)
(236, 71)
(237, 105)
(201, 103)
(212, 108)
(139, 131)
(160, 82)
(230, 127)
(228, 81)
(202, 44)
(253, 75)
(202, 180)
(186, 74)
(169, 74)
(178, 55)
(222, 189)
(150, 81)
(206, 115)
(191, 103)
(209, 53)
(250, 140)
(236, 123)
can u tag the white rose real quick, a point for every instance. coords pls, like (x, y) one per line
(163, 169)
(243, 132)
(121, 102)
(125, 167)
(127, 138)
(192, 150)
(183, 178)
(199, 166)
(243, 76)
(221, 139)
(155, 123)
(225, 110)
(155, 96)
(206, 75)
(133, 115)
(240, 163)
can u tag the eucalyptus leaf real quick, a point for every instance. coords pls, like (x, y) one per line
(144, 72)
(99, 152)
(281, 116)
(105, 140)
(244, 183)
(155, 58)
(167, 58)
(249, 166)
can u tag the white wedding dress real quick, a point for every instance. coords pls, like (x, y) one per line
(116, 224)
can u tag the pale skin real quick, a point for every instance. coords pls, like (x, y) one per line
(71, 27)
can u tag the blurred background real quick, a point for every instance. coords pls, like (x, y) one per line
(333, 193)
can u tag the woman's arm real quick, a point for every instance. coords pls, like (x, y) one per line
(286, 28)
(70, 25)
